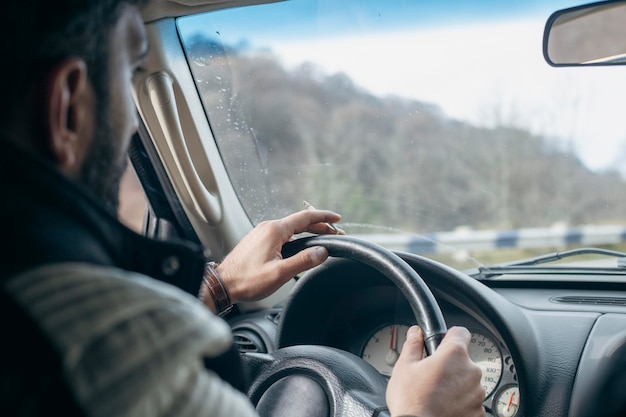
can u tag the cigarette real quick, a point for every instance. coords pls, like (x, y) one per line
(310, 207)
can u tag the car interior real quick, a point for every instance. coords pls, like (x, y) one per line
(548, 324)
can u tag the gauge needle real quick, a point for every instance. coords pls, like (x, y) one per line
(392, 354)
(510, 401)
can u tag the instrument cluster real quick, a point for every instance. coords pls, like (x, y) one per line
(499, 380)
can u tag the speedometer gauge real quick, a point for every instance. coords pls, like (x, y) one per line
(486, 354)
(383, 348)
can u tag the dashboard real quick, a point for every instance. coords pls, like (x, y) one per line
(534, 351)
(371, 322)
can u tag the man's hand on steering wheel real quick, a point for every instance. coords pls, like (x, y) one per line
(255, 268)
(445, 384)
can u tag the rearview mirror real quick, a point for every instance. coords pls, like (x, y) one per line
(592, 34)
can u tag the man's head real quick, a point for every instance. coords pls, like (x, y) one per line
(67, 73)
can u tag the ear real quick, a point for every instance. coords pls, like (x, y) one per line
(69, 114)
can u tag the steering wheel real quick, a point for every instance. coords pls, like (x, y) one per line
(316, 381)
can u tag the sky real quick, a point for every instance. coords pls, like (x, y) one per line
(441, 64)
(581, 105)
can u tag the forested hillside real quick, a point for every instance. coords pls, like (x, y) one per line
(387, 159)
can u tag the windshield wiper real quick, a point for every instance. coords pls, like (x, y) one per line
(530, 265)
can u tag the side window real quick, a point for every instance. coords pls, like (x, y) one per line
(133, 202)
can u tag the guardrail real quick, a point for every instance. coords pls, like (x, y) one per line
(479, 240)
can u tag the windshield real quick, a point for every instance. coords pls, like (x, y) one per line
(431, 127)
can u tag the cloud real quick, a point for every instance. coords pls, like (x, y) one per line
(485, 74)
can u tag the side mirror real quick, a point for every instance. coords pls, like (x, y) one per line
(592, 34)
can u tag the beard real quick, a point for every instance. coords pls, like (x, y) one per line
(105, 162)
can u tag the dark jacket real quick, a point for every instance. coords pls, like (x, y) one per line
(47, 219)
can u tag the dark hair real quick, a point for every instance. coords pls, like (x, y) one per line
(37, 34)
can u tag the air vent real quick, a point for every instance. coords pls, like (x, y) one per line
(248, 341)
(605, 301)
